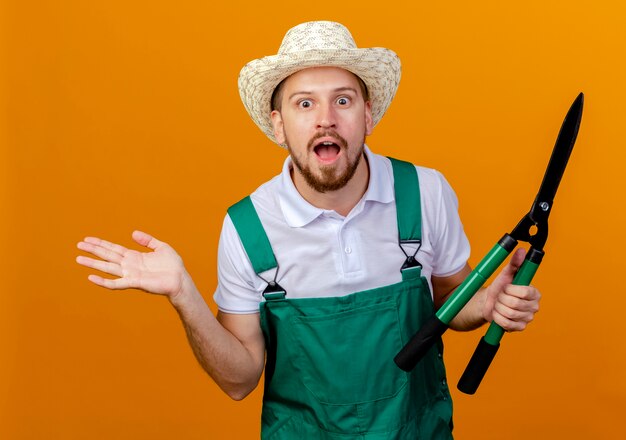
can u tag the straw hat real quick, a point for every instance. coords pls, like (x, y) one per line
(313, 44)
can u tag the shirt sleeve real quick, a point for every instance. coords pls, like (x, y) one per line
(239, 289)
(450, 244)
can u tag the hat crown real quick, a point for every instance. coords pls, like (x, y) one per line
(316, 44)
(317, 35)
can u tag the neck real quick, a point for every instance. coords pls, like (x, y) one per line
(341, 201)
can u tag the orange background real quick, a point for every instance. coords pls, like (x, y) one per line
(122, 115)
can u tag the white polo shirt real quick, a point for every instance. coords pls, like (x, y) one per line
(321, 253)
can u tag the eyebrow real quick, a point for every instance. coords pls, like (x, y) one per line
(338, 89)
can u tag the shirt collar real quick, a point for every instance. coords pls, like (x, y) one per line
(298, 212)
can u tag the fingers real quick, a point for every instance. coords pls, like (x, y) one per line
(114, 252)
(106, 245)
(521, 297)
(102, 266)
(102, 249)
(112, 258)
(516, 307)
(116, 284)
(508, 324)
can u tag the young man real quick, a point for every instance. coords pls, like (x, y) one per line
(318, 277)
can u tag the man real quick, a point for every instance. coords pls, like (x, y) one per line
(327, 269)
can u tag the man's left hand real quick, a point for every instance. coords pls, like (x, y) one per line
(511, 307)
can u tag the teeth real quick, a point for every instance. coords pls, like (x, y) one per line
(327, 143)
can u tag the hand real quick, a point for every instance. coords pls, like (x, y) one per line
(511, 307)
(160, 272)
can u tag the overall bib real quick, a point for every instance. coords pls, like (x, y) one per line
(329, 372)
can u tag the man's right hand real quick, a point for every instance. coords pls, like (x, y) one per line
(160, 272)
(231, 350)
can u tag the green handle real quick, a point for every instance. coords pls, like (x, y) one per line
(472, 283)
(489, 344)
(523, 277)
(432, 330)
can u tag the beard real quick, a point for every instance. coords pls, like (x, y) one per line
(328, 179)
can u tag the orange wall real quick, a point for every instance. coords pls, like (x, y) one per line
(125, 115)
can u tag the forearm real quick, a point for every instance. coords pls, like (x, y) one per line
(234, 368)
(512, 307)
(471, 316)
(232, 350)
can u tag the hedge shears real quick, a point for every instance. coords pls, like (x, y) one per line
(532, 229)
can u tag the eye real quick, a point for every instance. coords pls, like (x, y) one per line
(305, 103)
(343, 101)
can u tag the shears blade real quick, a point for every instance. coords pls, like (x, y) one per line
(560, 155)
(542, 206)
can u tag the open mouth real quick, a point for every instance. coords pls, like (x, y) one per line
(327, 151)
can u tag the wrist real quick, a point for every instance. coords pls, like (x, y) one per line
(486, 306)
(185, 292)
(482, 312)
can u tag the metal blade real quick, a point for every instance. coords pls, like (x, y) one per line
(542, 206)
(560, 155)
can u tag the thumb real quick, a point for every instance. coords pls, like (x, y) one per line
(145, 239)
(506, 276)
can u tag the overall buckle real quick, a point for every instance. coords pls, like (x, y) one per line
(274, 292)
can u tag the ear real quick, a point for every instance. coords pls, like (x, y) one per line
(369, 122)
(279, 129)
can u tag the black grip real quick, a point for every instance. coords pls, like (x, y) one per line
(477, 367)
(420, 343)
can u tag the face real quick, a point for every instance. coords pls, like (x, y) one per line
(324, 121)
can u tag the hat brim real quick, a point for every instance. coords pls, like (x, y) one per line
(379, 68)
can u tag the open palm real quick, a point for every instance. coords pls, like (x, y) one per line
(160, 271)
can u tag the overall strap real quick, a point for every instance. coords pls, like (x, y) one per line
(256, 244)
(409, 213)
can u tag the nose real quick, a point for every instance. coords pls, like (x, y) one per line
(326, 116)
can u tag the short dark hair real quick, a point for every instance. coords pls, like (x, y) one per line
(277, 95)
